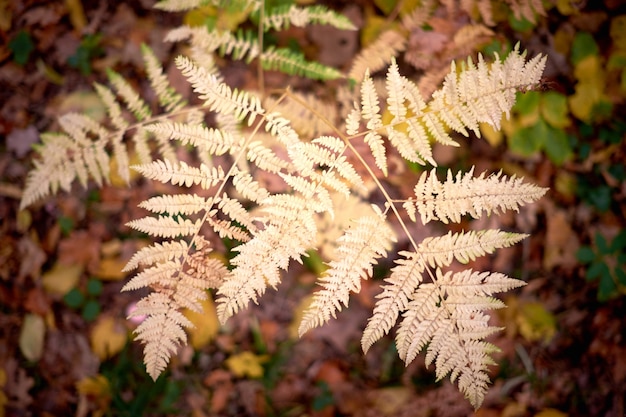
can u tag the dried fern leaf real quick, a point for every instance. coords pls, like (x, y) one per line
(289, 232)
(466, 194)
(164, 226)
(211, 141)
(217, 95)
(465, 246)
(157, 252)
(179, 204)
(135, 103)
(358, 249)
(447, 317)
(181, 173)
(378, 54)
(404, 279)
(161, 331)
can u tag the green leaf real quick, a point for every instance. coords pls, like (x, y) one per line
(91, 310)
(557, 145)
(601, 243)
(585, 255)
(74, 298)
(607, 288)
(527, 103)
(21, 46)
(554, 109)
(526, 141)
(619, 242)
(597, 270)
(94, 287)
(583, 46)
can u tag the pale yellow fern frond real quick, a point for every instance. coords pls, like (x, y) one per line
(165, 226)
(465, 194)
(447, 318)
(217, 95)
(181, 173)
(404, 279)
(378, 54)
(288, 233)
(357, 252)
(206, 140)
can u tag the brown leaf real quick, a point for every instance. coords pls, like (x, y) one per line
(80, 248)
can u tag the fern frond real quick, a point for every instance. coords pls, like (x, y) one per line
(181, 173)
(180, 204)
(281, 17)
(294, 63)
(358, 249)
(157, 252)
(404, 279)
(161, 331)
(378, 54)
(265, 158)
(250, 189)
(135, 103)
(478, 94)
(178, 5)
(446, 316)
(466, 194)
(290, 231)
(217, 95)
(211, 141)
(169, 99)
(164, 226)
(465, 246)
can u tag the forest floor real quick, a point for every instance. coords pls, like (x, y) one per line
(66, 347)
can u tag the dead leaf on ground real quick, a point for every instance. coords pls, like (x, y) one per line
(108, 337)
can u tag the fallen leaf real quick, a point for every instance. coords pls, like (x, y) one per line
(32, 337)
(61, 278)
(98, 389)
(535, 323)
(110, 269)
(108, 337)
(206, 324)
(389, 401)
(246, 364)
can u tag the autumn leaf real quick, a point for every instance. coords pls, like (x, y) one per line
(61, 278)
(206, 324)
(246, 364)
(32, 337)
(108, 337)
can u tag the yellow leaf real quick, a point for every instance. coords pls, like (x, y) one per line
(589, 89)
(61, 278)
(5, 15)
(550, 412)
(535, 322)
(298, 315)
(206, 324)
(110, 269)
(494, 137)
(389, 401)
(77, 14)
(97, 385)
(98, 390)
(246, 364)
(108, 337)
(32, 337)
